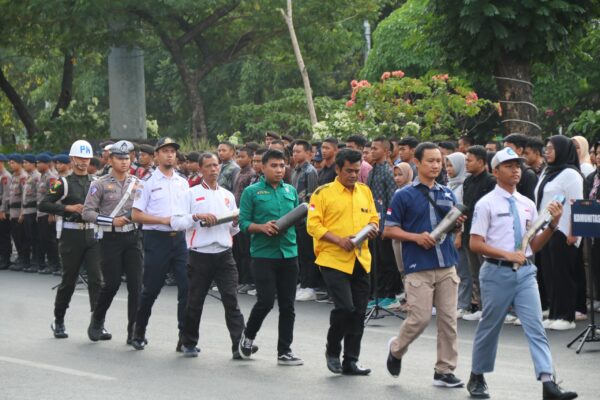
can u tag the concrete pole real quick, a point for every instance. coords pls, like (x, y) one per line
(126, 89)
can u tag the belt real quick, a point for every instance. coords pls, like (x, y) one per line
(78, 225)
(503, 263)
(14, 205)
(120, 229)
(165, 233)
(31, 204)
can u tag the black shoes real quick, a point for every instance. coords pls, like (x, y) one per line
(97, 332)
(552, 391)
(238, 356)
(138, 343)
(180, 348)
(477, 387)
(189, 351)
(352, 368)
(333, 363)
(60, 332)
(447, 380)
(245, 346)
(289, 359)
(393, 364)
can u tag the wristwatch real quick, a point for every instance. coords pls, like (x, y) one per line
(553, 227)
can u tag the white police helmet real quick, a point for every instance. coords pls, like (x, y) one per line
(81, 148)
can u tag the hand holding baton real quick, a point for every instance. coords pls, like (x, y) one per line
(292, 217)
(221, 219)
(362, 235)
(448, 224)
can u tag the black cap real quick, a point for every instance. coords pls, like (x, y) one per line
(167, 141)
(193, 156)
(289, 138)
(146, 148)
(272, 135)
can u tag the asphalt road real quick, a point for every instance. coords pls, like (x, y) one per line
(34, 365)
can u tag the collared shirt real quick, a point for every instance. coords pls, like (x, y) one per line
(15, 197)
(201, 199)
(161, 196)
(242, 181)
(143, 172)
(412, 212)
(194, 179)
(382, 184)
(47, 180)
(305, 179)
(343, 212)
(229, 171)
(5, 180)
(327, 174)
(262, 203)
(106, 193)
(30, 193)
(365, 168)
(493, 220)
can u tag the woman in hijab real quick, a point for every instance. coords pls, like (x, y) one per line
(455, 165)
(403, 175)
(583, 153)
(559, 256)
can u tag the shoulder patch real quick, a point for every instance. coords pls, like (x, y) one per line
(147, 177)
(55, 186)
(317, 190)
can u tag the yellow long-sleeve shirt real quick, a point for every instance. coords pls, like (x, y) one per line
(343, 212)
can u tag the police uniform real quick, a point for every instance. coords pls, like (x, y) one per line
(46, 225)
(120, 247)
(29, 214)
(5, 243)
(15, 204)
(164, 196)
(78, 244)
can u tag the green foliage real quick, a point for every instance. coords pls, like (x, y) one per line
(586, 124)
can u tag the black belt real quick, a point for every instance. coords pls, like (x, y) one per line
(14, 205)
(503, 263)
(32, 204)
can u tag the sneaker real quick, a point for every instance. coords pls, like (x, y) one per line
(306, 294)
(237, 356)
(371, 304)
(189, 351)
(510, 319)
(394, 305)
(517, 322)
(562, 325)
(433, 311)
(289, 359)
(580, 316)
(461, 312)
(393, 364)
(447, 380)
(547, 322)
(476, 316)
(545, 313)
(59, 330)
(245, 288)
(324, 298)
(45, 271)
(245, 346)
(251, 292)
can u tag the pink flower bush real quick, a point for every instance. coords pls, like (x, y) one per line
(386, 75)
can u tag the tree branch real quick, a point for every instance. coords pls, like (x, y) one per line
(66, 86)
(201, 26)
(19, 106)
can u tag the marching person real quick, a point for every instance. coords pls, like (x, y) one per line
(46, 222)
(274, 255)
(78, 244)
(210, 255)
(15, 205)
(5, 242)
(339, 210)
(160, 196)
(500, 220)
(429, 266)
(108, 204)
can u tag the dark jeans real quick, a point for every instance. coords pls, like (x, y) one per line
(32, 243)
(309, 273)
(76, 248)
(17, 232)
(203, 268)
(389, 281)
(241, 255)
(47, 241)
(5, 243)
(559, 262)
(274, 276)
(350, 295)
(162, 250)
(121, 252)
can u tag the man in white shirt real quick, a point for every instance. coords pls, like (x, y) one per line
(160, 196)
(210, 255)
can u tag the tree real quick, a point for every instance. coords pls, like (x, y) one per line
(505, 38)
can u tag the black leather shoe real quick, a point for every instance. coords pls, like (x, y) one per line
(138, 343)
(59, 329)
(130, 339)
(333, 363)
(393, 364)
(97, 332)
(477, 387)
(352, 368)
(179, 347)
(552, 391)
(44, 271)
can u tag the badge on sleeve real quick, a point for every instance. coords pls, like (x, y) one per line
(55, 186)
(93, 190)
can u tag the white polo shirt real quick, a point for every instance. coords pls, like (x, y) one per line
(201, 199)
(162, 196)
(493, 220)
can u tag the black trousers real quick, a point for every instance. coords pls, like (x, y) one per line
(241, 255)
(560, 262)
(121, 253)
(389, 281)
(32, 243)
(350, 295)
(274, 276)
(203, 268)
(5, 243)
(309, 272)
(76, 248)
(17, 231)
(595, 267)
(580, 280)
(47, 241)
(162, 250)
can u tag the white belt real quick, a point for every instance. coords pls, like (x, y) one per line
(124, 228)
(78, 225)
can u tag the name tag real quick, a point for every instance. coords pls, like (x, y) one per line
(503, 215)
(154, 190)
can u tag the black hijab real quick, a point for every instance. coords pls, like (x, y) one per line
(565, 156)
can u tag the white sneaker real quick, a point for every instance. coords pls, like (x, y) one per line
(510, 319)
(433, 311)
(476, 316)
(547, 322)
(517, 322)
(299, 292)
(307, 294)
(546, 313)
(252, 292)
(580, 316)
(461, 312)
(562, 325)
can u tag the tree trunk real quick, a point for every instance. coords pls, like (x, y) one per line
(307, 89)
(519, 114)
(195, 100)
(19, 106)
(66, 87)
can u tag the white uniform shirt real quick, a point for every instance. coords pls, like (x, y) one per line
(201, 199)
(493, 220)
(162, 196)
(568, 183)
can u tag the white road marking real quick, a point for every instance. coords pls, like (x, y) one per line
(56, 368)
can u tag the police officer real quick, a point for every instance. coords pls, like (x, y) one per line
(62, 164)
(159, 197)
(15, 203)
(108, 204)
(500, 220)
(5, 243)
(46, 222)
(29, 212)
(77, 238)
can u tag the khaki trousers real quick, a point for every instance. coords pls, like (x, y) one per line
(423, 290)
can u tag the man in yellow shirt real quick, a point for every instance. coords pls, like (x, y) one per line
(337, 211)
